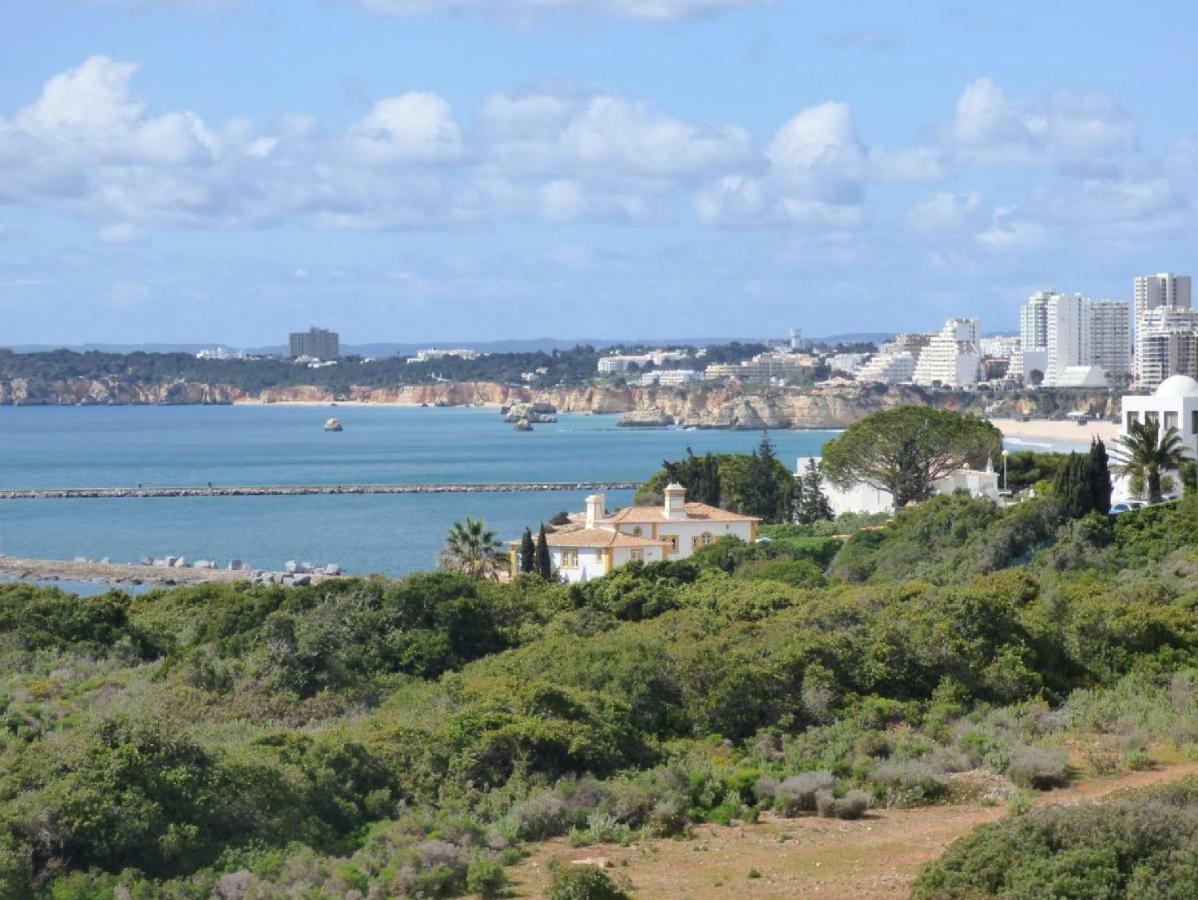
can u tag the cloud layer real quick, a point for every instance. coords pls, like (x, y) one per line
(89, 146)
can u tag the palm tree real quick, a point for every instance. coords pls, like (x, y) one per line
(1145, 454)
(472, 549)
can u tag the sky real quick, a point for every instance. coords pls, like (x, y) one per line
(434, 170)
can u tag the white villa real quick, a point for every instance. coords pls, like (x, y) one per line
(1174, 404)
(866, 498)
(603, 542)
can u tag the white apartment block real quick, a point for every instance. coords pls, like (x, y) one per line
(670, 377)
(1033, 322)
(951, 358)
(889, 367)
(1110, 337)
(1166, 344)
(1063, 331)
(1163, 289)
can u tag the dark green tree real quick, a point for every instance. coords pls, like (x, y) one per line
(761, 494)
(544, 563)
(812, 505)
(1098, 473)
(1071, 487)
(528, 562)
(906, 450)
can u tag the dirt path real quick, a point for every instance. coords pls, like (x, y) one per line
(876, 858)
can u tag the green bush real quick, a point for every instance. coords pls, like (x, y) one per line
(582, 883)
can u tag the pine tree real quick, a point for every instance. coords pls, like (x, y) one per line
(528, 562)
(1099, 477)
(544, 563)
(813, 505)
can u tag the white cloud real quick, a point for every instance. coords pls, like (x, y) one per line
(602, 134)
(1069, 130)
(648, 10)
(944, 211)
(1010, 232)
(415, 127)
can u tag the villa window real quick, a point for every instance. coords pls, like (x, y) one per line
(671, 541)
(638, 555)
(1194, 422)
(1170, 420)
(638, 531)
(1151, 416)
(708, 537)
(569, 559)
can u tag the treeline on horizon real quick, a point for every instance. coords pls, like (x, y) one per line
(412, 737)
(563, 367)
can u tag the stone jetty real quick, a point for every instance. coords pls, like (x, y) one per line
(308, 490)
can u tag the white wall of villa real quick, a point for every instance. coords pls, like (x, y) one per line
(866, 498)
(1175, 405)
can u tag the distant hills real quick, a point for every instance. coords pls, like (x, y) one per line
(531, 345)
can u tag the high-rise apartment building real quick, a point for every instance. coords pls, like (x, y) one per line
(1110, 337)
(1164, 289)
(1033, 322)
(1068, 335)
(317, 343)
(1153, 292)
(1166, 344)
(1061, 331)
(951, 358)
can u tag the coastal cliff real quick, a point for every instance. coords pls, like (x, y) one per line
(699, 406)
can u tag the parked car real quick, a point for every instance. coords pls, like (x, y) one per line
(1127, 506)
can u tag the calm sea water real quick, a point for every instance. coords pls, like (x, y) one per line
(265, 445)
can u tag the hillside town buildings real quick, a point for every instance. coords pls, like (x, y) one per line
(952, 357)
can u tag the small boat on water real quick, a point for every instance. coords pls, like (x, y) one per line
(333, 425)
(524, 425)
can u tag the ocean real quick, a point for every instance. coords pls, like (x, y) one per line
(102, 446)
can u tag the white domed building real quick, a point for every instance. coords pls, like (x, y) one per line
(1174, 404)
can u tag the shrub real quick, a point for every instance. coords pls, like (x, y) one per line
(1038, 769)
(797, 793)
(582, 883)
(852, 805)
(486, 878)
(910, 783)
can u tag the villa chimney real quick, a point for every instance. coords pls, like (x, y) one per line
(595, 510)
(675, 501)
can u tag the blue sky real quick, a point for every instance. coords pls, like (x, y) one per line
(411, 170)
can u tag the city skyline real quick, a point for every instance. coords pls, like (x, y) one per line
(203, 170)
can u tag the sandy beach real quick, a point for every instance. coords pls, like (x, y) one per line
(122, 573)
(1055, 432)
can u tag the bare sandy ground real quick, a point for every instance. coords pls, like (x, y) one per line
(1050, 432)
(876, 858)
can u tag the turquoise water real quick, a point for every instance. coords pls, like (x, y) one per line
(44, 447)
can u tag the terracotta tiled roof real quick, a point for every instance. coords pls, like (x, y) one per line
(595, 537)
(695, 512)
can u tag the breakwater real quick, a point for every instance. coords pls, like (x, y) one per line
(314, 489)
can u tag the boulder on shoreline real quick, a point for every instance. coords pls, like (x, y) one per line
(645, 418)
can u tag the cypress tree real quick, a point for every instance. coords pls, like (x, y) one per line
(1072, 486)
(813, 505)
(1098, 475)
(544, 563)
(528, 562)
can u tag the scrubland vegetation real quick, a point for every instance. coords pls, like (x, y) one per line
(374, 739)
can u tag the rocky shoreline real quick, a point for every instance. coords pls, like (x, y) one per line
(704, 406)
(34, 570)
